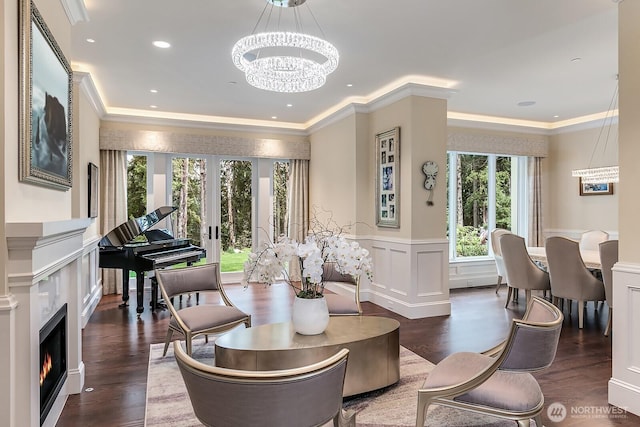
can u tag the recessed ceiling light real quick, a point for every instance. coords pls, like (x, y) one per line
(556, 116)
(289, 105)
(274, 117)
(154, 91)
(349, 84)
(526, 103)
(161, 44)
(91, 41)
(153, 106)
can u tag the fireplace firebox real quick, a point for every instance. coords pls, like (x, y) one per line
(53, 360)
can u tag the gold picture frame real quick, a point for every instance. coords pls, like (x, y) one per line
(388, 178)
(45, 103)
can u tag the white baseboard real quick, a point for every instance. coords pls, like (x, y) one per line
(624, 395)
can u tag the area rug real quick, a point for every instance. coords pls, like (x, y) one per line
(394, 406)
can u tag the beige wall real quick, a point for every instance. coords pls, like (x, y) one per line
(342, 172)
(428, 142)
(629, 68)
(566, 209)
(86, 149)
(333, 173)
(29, 202)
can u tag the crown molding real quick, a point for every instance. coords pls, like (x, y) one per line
(85, 82)
(76, 11)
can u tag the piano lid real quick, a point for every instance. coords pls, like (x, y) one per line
(131, 229)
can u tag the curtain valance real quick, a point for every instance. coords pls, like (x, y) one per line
(179, 142)
(525, 145)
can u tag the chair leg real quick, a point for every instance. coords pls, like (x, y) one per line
(345, 419)
(608, 328)
(423, 403)
(510, 291)
(188, 343)
(524, 423)
(167, 340)
(499, 283)
(527, 295)
(538, 420)
(580, 314)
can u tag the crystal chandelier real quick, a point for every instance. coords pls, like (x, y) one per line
(285, 61)
(604, 174)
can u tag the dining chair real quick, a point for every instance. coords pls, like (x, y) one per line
(496, 233)
(498, 382)
(589, 240)
(522, 272)
(338, 304)
(310, 395)
(608, 257)
(202, 319)
(570, 278)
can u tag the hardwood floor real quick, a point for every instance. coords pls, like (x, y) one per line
(116, 352)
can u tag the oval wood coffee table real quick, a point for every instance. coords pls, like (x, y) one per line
(373, 343)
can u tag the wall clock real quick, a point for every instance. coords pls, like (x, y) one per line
(430, 169)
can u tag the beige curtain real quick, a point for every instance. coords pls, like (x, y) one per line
(113, 207)
(298, 206)
(536, 237)
(298, 199)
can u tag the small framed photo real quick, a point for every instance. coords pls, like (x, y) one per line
(388, 178)
(46, 84)
(94, 188)
(595, 189)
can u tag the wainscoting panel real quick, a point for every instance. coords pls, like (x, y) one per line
(91, 287)
(430, 280)
(624, 385)
(411, 278)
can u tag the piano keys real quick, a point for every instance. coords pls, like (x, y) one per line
(133, 246)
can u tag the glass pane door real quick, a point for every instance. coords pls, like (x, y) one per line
(235, 214)
(189, 195)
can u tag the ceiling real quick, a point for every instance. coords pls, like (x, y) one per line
(491, 55)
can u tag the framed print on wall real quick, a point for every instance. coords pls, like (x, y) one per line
(388, 178)
(46, 84)
(94, 187)
(595, 189)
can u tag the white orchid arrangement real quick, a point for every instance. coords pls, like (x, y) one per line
(271, 261)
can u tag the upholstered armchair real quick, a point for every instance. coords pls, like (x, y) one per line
(201, 319)
(522, 272)
(608, 257)
(497, 255)
(589, 240)
(307, 396)
(498, 382)
(338, 304)
(570, 278)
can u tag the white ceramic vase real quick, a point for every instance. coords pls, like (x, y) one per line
(310, 316)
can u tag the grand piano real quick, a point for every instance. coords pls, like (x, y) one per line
(133, 246)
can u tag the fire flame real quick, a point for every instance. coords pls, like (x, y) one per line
(46, 368)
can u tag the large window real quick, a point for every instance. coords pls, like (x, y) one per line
(485, 191)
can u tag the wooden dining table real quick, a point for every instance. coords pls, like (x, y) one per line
(590, 258)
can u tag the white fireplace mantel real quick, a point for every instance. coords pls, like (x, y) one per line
(44, 271)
